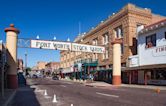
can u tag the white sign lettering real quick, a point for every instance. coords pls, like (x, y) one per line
(87, 48)
(160, 51)
(50, 45)
(56, 45)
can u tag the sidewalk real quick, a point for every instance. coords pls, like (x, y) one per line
(98, 84)
(24, 96)
(144, 86)
(30, 95)
(8, 96)
(104, 84)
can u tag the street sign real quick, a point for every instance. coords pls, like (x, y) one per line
(87, 48)
(57, 45)
(79, 67)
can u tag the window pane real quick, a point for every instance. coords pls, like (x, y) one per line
(154, 40)
(122, 49)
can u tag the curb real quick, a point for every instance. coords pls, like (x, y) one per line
(10, 98)
(99, 86)
(149, 88)
(90, 85)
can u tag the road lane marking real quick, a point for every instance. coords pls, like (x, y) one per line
(115, 96)
(33, 86)
(38, 90)
(47, 97)
(70, 83)
(63, 85)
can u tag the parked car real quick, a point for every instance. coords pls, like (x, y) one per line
(55, 78)
(34, 76)
(40, 76)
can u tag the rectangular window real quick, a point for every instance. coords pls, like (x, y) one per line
(151, 41)
(95, 41)
(106, 54)
(119, 32)
(105, 38)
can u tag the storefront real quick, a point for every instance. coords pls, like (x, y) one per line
(104, 75)
(151, 74)
(85, 68)
(150, 62)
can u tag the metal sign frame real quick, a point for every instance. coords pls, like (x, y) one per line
(72, 46)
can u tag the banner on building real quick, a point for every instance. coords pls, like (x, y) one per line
(57, 45)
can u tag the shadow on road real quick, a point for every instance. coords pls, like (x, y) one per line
(25, 96)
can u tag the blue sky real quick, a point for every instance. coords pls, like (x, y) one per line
(60, 18)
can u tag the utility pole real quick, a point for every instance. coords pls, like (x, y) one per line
(26, 61)
(79, 28)
(2, 71)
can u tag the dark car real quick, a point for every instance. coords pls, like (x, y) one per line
(55, 78)
(34, 76)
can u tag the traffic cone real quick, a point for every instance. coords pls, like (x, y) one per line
(45, 93)
(71, 105)
(54, 99)
(157, 90)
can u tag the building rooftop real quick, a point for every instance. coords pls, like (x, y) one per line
(153, 26)
(112, 18)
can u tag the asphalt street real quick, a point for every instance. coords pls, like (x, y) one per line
(68, 93)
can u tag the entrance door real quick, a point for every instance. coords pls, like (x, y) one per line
(134, 77)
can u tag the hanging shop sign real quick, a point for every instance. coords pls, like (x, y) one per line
(56, 45)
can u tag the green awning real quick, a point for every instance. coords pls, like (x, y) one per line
(90, 64)
(110, 69)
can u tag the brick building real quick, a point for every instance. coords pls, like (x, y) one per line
(52, 66)
(41, 65)
(124, 24)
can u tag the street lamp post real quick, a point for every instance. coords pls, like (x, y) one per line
(26, 60)
(74, 66)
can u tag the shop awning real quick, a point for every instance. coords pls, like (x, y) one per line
(145, 67)
(87, 64)
(67, 70)
(90, 64)
(109, 69)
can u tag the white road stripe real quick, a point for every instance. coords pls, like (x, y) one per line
(38, 90)
(67, 83)
(115, 96)
(63, 85)
(47, 97)
(33, 86)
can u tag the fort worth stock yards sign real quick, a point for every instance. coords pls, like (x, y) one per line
(57, 45)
